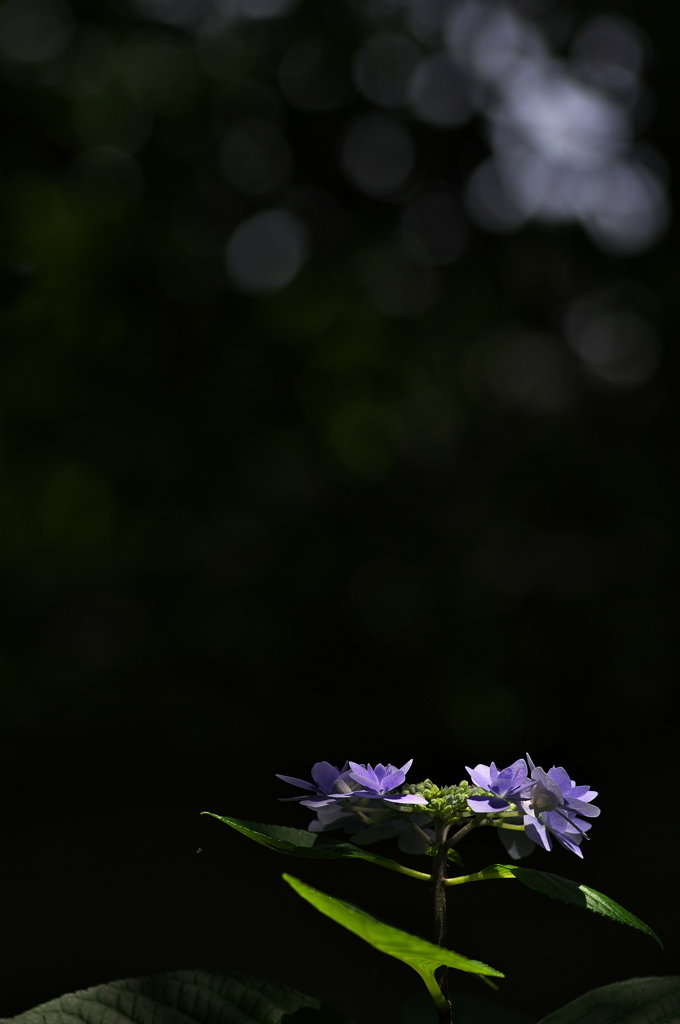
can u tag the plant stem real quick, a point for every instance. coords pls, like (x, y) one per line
(462, 832)
(438, 879)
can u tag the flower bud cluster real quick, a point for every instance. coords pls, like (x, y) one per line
(447, 803)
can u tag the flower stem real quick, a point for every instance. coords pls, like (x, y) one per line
(438, 881)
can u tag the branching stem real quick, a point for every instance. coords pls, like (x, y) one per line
(465, 830)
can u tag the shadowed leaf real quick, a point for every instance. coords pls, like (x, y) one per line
(564, 889)
(183, 997)
(312, 845)
(636, 1001)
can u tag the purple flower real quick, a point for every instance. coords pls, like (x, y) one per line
(330, 783)
(381, 780)
(354, 798)
(508, 786)
(555, 806)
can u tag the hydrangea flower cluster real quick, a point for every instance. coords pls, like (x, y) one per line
(528, 805)
(359, 798)
(549, 802)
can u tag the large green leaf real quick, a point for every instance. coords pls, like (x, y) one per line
(636, 1001)
(573, 893)
(300, 843)
(424, 957)
(184, 997)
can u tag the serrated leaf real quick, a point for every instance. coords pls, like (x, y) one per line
(312, 845)
(424, 957)
(637, 1001)
(183, 997)
(572, 893)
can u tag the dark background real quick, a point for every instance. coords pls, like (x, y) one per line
(399, 504)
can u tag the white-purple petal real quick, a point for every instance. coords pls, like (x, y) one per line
(324, 801)
(409, 798)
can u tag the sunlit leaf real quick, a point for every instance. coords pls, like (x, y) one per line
(424, 957)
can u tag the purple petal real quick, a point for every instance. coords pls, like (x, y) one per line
(561, 778)
(330, 815)
(480, 775)
(314, 804)
(537, 832)
(554, 822)
(516, 776)
(579, 807)
(297, 782)
(392, 779)
(410, 798)
(364, 775)
(325, 775)
(548, 782)
(487, 805)
(569, 845)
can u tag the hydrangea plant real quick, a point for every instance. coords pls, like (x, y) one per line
(353, 807)
(359, 804)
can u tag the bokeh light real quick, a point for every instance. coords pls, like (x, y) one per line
(377, 153)
(266, 251)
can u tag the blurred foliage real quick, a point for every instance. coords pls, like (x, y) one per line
(396, 467)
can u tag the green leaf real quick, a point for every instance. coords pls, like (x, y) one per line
(311, 845)
(637, 1001)
(424, 957)
(184, 997)
(573, 893)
